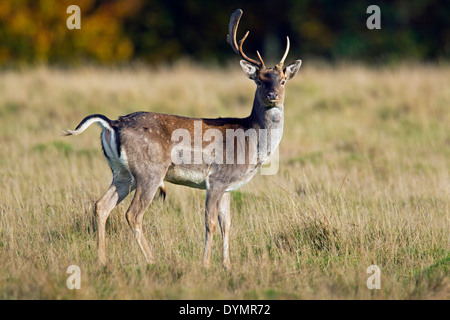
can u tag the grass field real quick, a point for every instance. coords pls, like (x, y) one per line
(363, 180)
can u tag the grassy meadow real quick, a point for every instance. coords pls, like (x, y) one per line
(363, 180)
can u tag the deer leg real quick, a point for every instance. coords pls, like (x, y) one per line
(118, 190)
(225, 226)
(211, 216)
(135, 214)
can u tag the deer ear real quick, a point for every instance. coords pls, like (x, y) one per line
(250, 70)
(291, 70)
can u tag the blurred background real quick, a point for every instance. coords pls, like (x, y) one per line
(156, 31)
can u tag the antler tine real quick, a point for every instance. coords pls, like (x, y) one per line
(231, 39)
(288, 45)
(243, 55)
(260, 59)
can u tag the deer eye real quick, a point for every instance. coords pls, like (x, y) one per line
(283, 82)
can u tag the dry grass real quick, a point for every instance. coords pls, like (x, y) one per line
(363, 180)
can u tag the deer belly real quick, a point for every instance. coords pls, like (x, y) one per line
(190, 176)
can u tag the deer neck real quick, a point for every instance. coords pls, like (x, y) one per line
(269, 118)
(263, 117)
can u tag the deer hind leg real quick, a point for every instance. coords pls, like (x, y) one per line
(225, 226)
(142, 198)
(211, 216)
(118, 191)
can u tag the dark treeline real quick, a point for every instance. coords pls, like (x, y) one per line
(166, 30)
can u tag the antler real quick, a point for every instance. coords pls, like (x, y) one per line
(231, 39)
(288, 45)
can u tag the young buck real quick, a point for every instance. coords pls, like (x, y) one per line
(140, 149)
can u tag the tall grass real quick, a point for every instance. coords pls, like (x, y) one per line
(363, 180)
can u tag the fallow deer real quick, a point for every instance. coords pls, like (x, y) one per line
(139, 149)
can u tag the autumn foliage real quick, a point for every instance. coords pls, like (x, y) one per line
(36, 31)
(165, 30)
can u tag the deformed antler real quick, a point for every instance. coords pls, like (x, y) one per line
(231, 39)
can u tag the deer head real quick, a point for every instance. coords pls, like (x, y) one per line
(270, 81)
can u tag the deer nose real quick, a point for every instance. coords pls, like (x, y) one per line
(272, 96)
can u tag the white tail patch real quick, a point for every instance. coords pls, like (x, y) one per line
(119, 165)
(109, 143)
